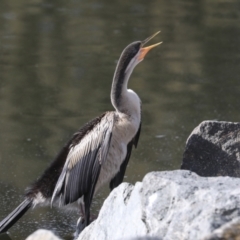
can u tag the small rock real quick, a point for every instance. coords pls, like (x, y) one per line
(43, 234)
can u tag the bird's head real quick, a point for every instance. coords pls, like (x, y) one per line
(135, 52)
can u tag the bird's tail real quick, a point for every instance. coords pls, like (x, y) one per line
(15, 215)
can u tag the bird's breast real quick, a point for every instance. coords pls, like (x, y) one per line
(125, 127)
(124, 130)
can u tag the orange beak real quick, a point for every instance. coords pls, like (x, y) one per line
(144, 51)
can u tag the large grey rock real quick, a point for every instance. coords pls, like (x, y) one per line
(168, 205)
(213, 149)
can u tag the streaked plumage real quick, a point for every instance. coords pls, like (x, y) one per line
(97, 154)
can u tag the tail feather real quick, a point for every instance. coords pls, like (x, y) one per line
(15, 215)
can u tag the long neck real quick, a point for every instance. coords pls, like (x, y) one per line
(119, 91)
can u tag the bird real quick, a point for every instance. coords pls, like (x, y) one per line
(97, 154)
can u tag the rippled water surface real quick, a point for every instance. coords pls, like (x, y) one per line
(57, 60)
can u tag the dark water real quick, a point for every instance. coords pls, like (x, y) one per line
(57, 60)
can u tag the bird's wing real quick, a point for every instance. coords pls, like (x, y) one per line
(81, 170)
(118, 178)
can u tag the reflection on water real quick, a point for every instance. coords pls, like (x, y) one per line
(56, 65)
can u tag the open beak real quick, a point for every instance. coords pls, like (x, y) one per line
(145, 50)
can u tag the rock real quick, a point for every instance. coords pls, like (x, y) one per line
(42, 234)
(213, 149)
(167, 205)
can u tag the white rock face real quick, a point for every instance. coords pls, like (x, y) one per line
(167, 205)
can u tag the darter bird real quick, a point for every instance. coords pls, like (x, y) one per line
(96, 154)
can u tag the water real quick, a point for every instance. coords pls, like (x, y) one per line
(56, 65)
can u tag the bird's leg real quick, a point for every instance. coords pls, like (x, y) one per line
(82, 210)
(81, 220)
(80, 226)
(84, 222)
(92, 217)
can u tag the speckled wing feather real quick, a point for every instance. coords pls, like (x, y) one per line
(118, 178)
(82, 167)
